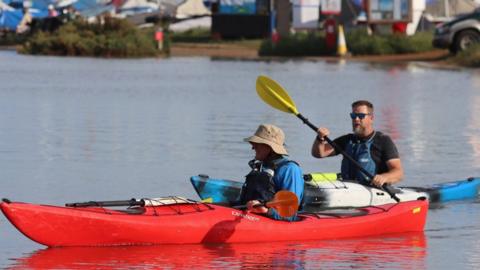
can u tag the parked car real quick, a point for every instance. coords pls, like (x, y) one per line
(459, 33)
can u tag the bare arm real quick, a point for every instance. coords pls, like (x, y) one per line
(394, 174)
(256, 209)
(320, 147)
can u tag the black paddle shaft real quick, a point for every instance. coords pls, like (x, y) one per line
(244, 206)
(131, 202)
(386, 187)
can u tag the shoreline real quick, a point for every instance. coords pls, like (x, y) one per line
(8, 47)
(241, 52)
(434, 58)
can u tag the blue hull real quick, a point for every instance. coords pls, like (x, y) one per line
(216, 190)
(452, 191)
(461, 190)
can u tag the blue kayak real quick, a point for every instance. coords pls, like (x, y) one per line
(324, 190)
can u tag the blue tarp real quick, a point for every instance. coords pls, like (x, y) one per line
(85, 4)
(39, 10)
(36, 4)
(43, 4)
(10, 19)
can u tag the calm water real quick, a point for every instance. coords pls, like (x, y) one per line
(77, 129)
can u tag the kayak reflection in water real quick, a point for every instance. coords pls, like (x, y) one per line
(400, 251)
(271, 172)
(372, 150)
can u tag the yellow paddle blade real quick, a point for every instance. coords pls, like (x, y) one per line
(274, 95)
(285, 202)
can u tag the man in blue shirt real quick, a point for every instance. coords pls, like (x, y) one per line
(271, 172)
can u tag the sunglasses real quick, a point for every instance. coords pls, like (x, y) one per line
(361, 116)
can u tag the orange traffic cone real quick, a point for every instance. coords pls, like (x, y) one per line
(341, 43)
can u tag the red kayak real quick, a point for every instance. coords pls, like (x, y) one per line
(196, 222)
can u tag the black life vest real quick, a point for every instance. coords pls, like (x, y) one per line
(259, 184)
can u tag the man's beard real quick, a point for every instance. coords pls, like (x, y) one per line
(358, 130)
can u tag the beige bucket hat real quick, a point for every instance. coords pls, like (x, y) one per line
(270, 135)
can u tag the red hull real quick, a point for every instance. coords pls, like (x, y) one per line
(200, 223)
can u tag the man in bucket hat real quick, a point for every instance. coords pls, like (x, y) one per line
(271, 171)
